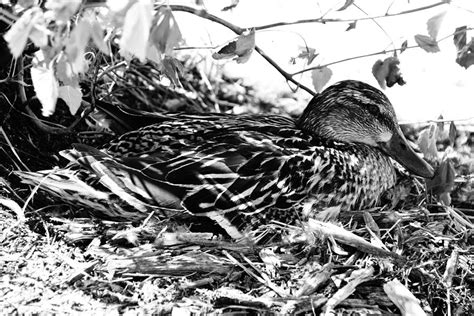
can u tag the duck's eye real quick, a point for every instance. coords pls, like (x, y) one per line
(373, 109)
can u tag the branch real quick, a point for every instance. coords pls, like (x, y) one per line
(238, 30)
(383, 52)
(323, 20)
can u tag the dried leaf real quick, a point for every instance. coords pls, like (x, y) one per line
(387, 72)
(351, 26)
(46, 87)
(308, 53)
(452, 133)
(434, 24)
(427, 142)
(465, 56)
(460, 37)
(76, 46)
(404, 46)
(165, 34)
(240, 48)
(18, 34)
(427, 43)
(232, 5)
(320, 78)
(136, 30)
(72, 96)
(346, 5)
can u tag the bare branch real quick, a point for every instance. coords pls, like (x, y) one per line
(323, 20)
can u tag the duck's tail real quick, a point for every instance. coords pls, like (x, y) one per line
(90, 182)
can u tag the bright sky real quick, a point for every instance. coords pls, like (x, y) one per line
(435, 83)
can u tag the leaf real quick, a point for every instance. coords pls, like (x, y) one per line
(308, 53)
(240, 48)
(18, 34)
(434, 24)
(76, 46)
(404, 46)
(452, 133)
(72, 96)
(387, 72)
(443, 180)
(427, 43)
(46, 87)
(427, 142)
(64, 72)
(165, 34)
(233, 5)
(172, 68)
(136, 30)
(351, 26)
(320, 78)
(460, 37)
(346, 5)
(63, 10)
(97, 34)
(465, 56)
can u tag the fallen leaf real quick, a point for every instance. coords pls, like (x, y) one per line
(240, 48)
(136, 30)
(320, 78)
(427, 43)
(72, 96)
(387, 72)
(165, 34)
(346, 5)
(434, 24)
(46, 87)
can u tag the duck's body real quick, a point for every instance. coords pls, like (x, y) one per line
(243, 171)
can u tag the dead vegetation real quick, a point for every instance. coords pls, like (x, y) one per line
(414, 258)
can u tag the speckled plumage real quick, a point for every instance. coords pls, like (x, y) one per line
(243, 171)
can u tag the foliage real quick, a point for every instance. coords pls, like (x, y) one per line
(82, 52)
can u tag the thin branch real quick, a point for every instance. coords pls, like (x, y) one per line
(383, 52)
(324, 20)
(238, 30)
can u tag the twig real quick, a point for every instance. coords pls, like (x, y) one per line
(238, 30)
(12, 148)
(323, 20)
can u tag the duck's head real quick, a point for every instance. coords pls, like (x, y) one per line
(355, 112)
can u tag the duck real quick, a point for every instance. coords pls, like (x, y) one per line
(244, 171)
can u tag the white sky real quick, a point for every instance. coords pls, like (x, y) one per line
(435, 83)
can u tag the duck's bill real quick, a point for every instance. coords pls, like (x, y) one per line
(399, 149)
